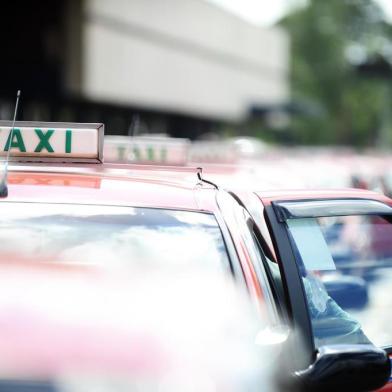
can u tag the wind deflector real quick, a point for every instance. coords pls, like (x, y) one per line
(318, 208)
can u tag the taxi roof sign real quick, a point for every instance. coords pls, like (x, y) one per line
(52, 141)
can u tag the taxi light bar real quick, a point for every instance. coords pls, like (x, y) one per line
(52, 142)
(147, 149)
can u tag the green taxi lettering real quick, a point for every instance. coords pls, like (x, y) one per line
(16, 142)
(68, 141)
(163, 154)
(121, 153)
(136, 153)
(44, 140)
(150, 153)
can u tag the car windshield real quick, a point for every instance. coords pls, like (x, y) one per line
(346, 268)
(110, 236)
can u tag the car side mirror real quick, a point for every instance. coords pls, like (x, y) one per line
(359, 367)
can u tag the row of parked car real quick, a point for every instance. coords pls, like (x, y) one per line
(155, 278)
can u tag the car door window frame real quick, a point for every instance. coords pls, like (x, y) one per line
(275, 285)
(259, 267)
(297, 307)
(241, 219)
(278, 213)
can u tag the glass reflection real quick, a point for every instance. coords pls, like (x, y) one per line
(110, 236)
(348, 302)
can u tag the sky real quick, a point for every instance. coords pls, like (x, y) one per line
(267, 12)
(387, 6)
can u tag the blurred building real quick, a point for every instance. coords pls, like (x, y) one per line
(182, 65)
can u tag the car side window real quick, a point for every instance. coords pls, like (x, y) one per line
(345, 263)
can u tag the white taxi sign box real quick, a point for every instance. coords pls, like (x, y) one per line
(212, 151)
(146, 149)
(52, 142)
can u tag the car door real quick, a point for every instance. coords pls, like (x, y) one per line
(335, 260)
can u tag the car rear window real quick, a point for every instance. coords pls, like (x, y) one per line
(110, 236)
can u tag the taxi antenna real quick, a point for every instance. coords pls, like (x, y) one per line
(200, 177)
(3, 181)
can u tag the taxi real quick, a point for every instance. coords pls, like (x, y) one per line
(329, 278)
(62, 204)
(71, 221)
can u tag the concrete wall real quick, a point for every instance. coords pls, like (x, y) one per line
(184, 56)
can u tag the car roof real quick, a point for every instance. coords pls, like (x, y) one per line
(110, 184)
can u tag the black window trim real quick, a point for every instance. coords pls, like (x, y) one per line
(314, 208)
(297, 307)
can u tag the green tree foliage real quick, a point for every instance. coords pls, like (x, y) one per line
(329, 40)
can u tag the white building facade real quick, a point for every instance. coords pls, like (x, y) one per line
(178, 56)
